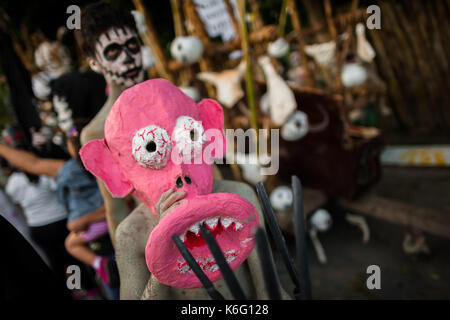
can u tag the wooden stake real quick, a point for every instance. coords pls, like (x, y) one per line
(301, 44)
(345, 47)
(177, 22)
(233, 18)
(259, 23)
(185, 75)
(283, 16)
(330, 23)
(151, 40)
(196, 27)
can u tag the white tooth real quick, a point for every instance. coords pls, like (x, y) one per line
(182, 237)
(195, 228)
(226, 222)
(212, 223)
(237, 226)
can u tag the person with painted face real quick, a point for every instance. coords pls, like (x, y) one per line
(112, 47)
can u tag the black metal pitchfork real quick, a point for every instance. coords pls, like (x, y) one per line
(302, 284)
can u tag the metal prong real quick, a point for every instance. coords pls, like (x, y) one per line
(207, 284)
(227, 273)
(300, 238)
(268, 269)
(278, 237)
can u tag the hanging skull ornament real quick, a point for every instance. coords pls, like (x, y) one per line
(296, 127)
(278, 49)
(321, 220)
(187, 50)
(150, 128)
(353, 74)
(281, 198)
(119, 57)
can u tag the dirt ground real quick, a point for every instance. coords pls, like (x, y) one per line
(426, 276)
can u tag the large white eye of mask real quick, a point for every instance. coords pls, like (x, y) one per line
(189, 137)
(151, 147)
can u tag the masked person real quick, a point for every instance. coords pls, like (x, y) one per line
(109, 43)
(112, 47)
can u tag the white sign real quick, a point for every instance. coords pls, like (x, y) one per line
(216, 19)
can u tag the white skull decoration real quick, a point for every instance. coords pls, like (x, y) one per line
(321, 220)
(296, 127)
(186, 50)
(281, 198)
(353, 74)
(278, 49)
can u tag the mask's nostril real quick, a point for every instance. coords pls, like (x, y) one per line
(179, 182)
(188, 180)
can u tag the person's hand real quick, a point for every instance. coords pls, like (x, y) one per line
(168, 201)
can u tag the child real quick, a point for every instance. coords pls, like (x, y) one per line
(78, 191)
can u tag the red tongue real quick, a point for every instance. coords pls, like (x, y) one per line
(193, 240)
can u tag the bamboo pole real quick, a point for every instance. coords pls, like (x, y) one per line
(283, 17)
(329, 17)
(301, 43)
(151, 40)
(247, 59)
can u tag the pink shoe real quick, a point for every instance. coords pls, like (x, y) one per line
(92, 294)
(108, 272)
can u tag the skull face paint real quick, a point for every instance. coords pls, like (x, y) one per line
(148, 122)
(118, 53)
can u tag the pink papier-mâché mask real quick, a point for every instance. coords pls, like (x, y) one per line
(151, 133)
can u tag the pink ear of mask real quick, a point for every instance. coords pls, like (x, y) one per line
(211, 114)
(98, 160)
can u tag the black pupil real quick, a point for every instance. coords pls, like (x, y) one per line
(193, 135)
(151, 146)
